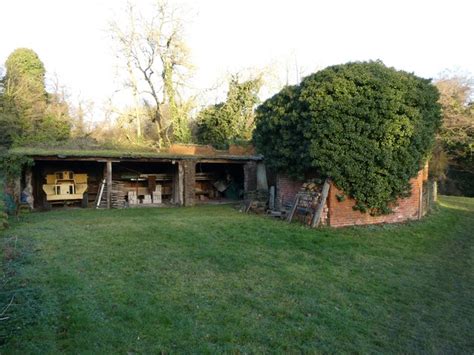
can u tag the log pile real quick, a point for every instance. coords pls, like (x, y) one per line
(311, 187)
(309, 202)
(118, 194)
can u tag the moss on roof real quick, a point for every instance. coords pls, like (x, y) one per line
(120, 153)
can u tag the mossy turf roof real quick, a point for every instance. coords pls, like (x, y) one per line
(121, 153)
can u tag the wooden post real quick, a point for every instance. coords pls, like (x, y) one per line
(420, 198)
(109, 183)
(271, 203)
(322, 202)
(181, 183)
(29, 188)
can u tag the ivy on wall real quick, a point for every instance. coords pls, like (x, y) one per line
(368, 127)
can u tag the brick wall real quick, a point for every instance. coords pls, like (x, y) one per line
(286, 190)
(189, 167)
(340, 214)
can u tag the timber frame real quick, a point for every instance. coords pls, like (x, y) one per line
(182, 169)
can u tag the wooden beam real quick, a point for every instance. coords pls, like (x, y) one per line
(109, 183)
(181, 183)
(236, 160)
(322, 202)
(223, 161)
(106, 160)
(271, 203)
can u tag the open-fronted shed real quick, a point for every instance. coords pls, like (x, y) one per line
(182, 175)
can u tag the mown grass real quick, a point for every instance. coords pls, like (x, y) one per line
(211, 279)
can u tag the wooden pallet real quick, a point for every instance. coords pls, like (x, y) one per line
(117, 195)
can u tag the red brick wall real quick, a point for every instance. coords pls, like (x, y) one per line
(340, 214)
(286, 190)
(189, 182)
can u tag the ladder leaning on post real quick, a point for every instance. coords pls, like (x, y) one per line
(318, 211)
(101, 193)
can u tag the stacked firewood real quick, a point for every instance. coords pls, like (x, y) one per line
(310, 187)
(309, 194)
(118, 194)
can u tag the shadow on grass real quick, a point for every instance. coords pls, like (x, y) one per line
(210, 279)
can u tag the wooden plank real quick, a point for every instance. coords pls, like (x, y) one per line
(109, 183)
(293, 209)
(180, 184)
(271, 202)
(322, 202)
(101, 191)
(151, 183)
(247, 209)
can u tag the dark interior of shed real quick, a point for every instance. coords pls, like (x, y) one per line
(148, 182)
(219, 182)
(94, 171)
(145, 182)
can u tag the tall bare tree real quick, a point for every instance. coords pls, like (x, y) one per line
(157, 60)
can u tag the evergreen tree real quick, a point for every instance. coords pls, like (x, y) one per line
(27, 112)
(233, 120)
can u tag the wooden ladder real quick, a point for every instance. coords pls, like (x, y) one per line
(316, 212)
(101, 199)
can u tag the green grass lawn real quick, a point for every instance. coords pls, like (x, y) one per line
(211, 279)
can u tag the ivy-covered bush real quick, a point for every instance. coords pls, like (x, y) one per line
(3, 212)
(11, 167)
(368, 127)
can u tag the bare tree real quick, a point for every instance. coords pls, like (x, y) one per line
(157, 61)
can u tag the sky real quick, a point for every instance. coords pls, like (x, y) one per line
(293, 37)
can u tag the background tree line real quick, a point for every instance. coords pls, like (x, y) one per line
(453, 156)
(163, 108)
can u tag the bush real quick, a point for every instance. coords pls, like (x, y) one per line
(3, 214)
(368, 127)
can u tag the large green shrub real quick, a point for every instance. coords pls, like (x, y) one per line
(11, 167)
(368, 127)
